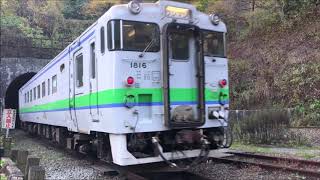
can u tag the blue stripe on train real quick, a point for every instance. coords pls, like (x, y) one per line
(123, 105)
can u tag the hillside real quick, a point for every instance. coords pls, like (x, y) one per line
(278, 66)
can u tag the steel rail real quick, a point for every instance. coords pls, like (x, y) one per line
(270, 165)
(282, 159)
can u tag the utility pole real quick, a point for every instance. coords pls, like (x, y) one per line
(1, 97)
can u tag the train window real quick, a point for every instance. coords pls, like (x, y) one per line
(113, 34)
(54, 84)
(61, 67)
(139, 36)
(79, 70)
(109, 34)
(116, 33)
(48, 87)
(34, 93)
(180, 46)
(102, 39)
(136, 36)
(31, 95)
(38, 91)
(92, 61)
(213, 44)
(43, 89)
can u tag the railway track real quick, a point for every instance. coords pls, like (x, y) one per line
(152, 171)
(168, 175)
(302, 167)
(157, 171)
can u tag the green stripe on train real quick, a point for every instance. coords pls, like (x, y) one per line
(116, 96)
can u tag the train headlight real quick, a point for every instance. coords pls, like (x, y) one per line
(134, 7)
(214, 19)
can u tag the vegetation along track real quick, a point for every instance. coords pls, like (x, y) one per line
(302, 167)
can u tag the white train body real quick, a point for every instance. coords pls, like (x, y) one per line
(109, 81)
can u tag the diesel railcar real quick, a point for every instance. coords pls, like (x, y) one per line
(147, 82)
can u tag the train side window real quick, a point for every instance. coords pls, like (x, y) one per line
(34, 93)
(25, 97)
(54, 84)
(79, 70)
(48, 87)
(61, 67)
(28, 96)
(92, 61)
(117, 37)
(38, 91)
(109, 35)
(114, 35)
(102, 39)
(180, 46)
(43, 89)
(31, 95)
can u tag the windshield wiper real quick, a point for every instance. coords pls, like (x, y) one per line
(147, 47)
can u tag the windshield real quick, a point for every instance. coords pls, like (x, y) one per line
(213, 44)
(136, 36)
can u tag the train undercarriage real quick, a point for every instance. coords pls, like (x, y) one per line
(139, 145)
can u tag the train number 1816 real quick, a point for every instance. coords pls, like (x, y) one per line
(138, 65)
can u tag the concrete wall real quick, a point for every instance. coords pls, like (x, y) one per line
(10, 68)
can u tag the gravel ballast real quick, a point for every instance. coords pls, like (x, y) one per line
(60, 164)
(214, 170)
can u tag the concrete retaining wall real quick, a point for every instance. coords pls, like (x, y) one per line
(10, 68)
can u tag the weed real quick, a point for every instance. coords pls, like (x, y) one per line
(264, 127)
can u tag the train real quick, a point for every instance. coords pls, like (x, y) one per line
(147, 82)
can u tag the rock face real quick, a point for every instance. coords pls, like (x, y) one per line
(11, 68)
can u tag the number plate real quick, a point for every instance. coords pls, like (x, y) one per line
(138, 65)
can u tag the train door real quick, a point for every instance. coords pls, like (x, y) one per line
(72, 121)
(79, 88)
(93, 84)
(183, 77)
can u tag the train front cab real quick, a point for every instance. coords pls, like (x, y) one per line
(187, 131)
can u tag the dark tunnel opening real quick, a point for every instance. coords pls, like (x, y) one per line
(12, 93)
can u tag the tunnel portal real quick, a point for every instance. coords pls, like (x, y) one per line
(12, 92)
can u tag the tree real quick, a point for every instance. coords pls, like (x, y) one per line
(73, 9)
(203, 5)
